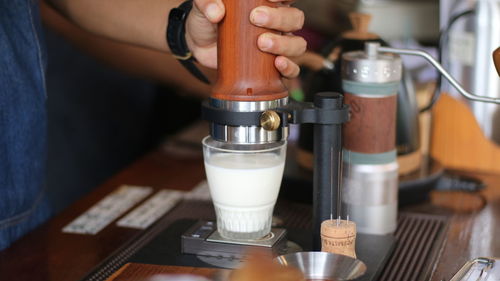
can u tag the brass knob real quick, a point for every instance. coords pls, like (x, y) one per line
(270, 120)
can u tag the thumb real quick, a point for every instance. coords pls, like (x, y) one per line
(212, 10)
(201, 24)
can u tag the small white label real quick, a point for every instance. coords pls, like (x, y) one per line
(151, 210)
(107, 210)
(162, 202)
(200, 192)
(462, 45)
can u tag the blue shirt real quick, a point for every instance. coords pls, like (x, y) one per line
(22, 120)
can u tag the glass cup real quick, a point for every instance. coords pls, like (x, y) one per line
(244, 182)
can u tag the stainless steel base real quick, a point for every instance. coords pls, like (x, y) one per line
(247, 134)
(203, 240)
(370, 197)
(324, 266)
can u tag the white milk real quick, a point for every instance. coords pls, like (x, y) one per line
(244, 189)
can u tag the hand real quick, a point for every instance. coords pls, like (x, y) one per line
(201, 33)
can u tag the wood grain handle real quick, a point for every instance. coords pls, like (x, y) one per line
(360, 24)
(311, 60)
(244, 72)
(496, 59)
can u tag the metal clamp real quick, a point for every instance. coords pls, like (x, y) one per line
(308, 113)
(294, 113)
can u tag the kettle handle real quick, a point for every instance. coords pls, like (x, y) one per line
(373, 48)
(496, 60)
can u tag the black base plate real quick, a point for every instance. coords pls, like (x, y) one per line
(165, 249)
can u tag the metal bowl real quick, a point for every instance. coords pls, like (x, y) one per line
(324, 266)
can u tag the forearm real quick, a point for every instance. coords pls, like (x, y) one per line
(137, 61)
(138, 22)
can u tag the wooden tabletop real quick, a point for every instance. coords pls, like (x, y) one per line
(48, 254)
(471, 234)
(137, 271)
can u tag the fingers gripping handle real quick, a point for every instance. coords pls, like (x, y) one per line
(244, 72)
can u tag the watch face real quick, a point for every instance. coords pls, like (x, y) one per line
(177, 14)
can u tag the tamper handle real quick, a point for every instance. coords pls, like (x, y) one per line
(244, 72)
(496, 60)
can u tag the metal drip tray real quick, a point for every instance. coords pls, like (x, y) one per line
(418, 239)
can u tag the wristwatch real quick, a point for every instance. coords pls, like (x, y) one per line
(176, 39)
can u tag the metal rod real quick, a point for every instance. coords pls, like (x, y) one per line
(440, 68)
(331, 183)
(339, 183)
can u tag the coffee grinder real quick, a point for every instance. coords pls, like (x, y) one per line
(249, 106)
(370, 80)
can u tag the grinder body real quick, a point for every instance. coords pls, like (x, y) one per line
(370, 173)
(247, 79)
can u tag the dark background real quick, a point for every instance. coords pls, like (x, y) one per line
(101, 120)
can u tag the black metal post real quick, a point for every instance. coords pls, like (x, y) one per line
(327, 149)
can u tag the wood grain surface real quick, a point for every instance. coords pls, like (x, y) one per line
(48, 254)
(457, 140)
(470, 235)
(137, 271)
(244, 72)
(372, 128)
(361, 24)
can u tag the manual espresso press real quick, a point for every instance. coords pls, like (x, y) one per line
(244, 160)
(249, 113)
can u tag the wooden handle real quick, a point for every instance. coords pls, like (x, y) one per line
(360, 23)
(244, 72)
(311, 60)
(496, 59)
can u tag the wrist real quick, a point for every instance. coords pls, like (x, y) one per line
(189, 39)
(177, 38)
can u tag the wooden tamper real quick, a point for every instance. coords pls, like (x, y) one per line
(339, 237)
(247, 81)
(244, 72)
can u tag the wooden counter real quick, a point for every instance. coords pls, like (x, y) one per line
(470, 235)
(134, 271)
(49, 254)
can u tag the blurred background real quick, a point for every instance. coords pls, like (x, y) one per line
(109, 104)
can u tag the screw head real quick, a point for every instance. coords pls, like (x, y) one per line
(270, 120)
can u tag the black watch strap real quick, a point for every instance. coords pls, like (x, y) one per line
(176, 39)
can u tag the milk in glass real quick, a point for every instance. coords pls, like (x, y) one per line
(244, 188)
